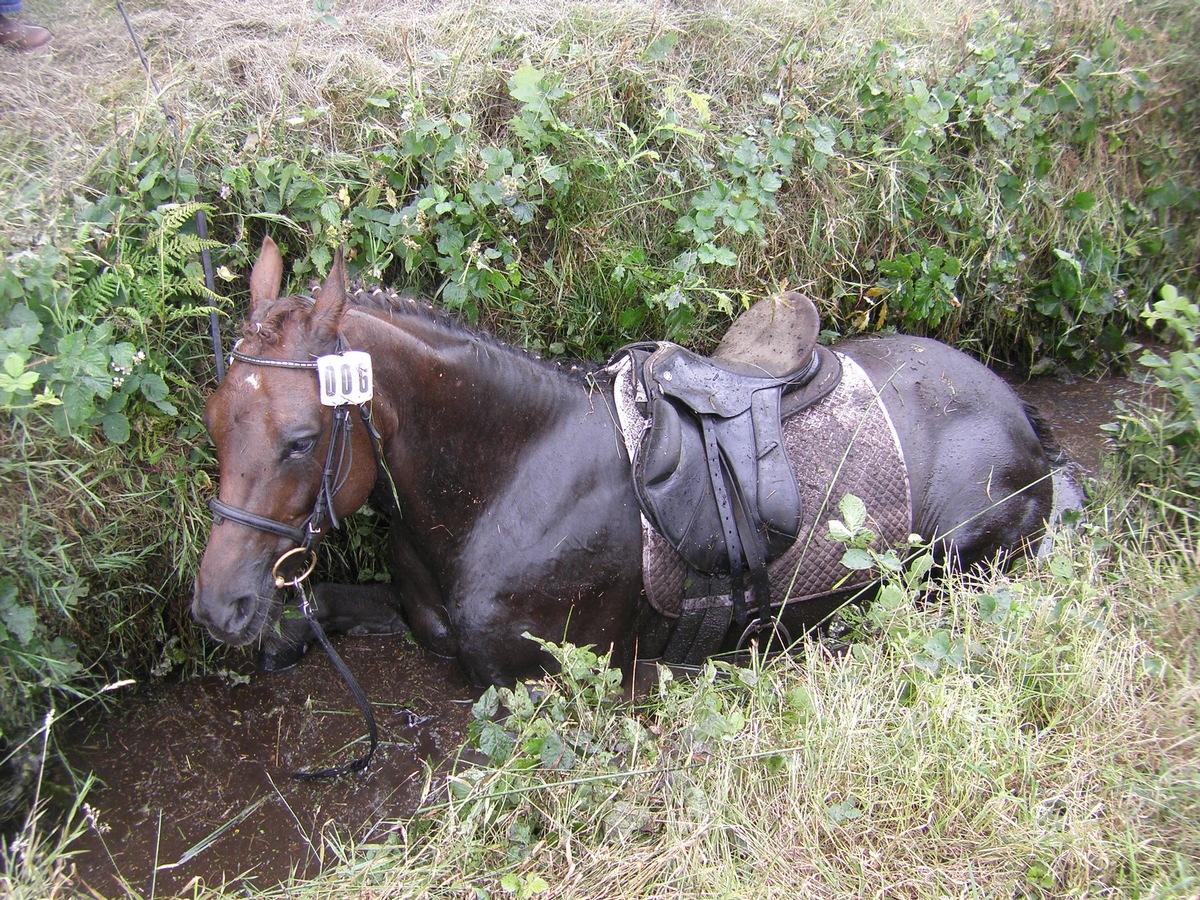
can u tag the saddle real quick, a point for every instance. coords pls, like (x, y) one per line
(710, 472)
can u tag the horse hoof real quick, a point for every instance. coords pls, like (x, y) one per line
(280, 658)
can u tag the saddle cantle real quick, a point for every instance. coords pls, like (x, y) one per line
(710, 471)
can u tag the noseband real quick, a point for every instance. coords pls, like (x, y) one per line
(340, 387)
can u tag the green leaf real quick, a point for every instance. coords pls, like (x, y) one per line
(510, 883)
(1062, 569)
(633, 318)
(710, 253)
(555, 754)
(331, 212)
(1083, 201)
(919, 567)
(495, 742)
(534, 884)
(525, 85)
(993, 609)
(20, 620)
(1154, 666)
(21, 328)
(858, 560)
(662, 46)
(154, 388)
(77, 407)
(854, 512)
(845, 812)
(838, 532)
(116, 427)
(14, 365)
(487, 705)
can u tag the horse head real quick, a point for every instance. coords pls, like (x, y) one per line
(281, 482)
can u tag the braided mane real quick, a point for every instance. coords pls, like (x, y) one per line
(268, 331)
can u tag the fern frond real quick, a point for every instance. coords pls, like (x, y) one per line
(97, 293)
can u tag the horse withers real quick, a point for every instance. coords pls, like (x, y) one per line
(508, 479)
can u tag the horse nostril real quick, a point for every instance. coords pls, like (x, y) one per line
(229, 621)
(242, 612)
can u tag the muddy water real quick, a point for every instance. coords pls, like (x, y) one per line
(195, 777)
(1076, 408)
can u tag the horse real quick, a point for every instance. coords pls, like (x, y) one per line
(512, 509)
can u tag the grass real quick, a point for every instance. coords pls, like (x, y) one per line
(1055, 757)
(665, 164)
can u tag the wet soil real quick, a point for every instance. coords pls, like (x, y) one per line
(1076, 408)
(195, 777)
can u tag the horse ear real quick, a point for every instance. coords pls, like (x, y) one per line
(331, 301)
(265, 278)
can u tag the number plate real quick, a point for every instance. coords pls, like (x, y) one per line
(345, 378)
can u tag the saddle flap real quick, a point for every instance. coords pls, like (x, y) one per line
(690, 470)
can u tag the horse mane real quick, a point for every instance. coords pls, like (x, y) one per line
(396, 307)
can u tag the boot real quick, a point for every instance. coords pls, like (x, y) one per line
(16, 36)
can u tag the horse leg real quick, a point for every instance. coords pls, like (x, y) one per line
(340, 609)
(420, 597)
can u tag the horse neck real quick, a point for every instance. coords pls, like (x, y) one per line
(456, 410)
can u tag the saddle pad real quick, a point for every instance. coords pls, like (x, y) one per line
(845, 444)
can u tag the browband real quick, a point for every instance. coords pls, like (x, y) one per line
(236, 354)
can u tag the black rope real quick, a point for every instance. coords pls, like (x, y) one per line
(214, 325)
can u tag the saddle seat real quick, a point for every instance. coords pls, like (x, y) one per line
(710, 472)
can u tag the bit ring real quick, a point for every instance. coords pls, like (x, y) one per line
(295, 581)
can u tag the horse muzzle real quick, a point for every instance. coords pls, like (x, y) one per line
(234, 613)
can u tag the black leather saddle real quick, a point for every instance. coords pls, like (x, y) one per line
(711, 472)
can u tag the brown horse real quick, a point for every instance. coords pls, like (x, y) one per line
(513, 509)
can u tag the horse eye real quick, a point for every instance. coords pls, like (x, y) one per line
(301, 447)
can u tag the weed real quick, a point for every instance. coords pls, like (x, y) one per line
(1159, 440)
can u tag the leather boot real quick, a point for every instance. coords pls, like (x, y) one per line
(16, 36)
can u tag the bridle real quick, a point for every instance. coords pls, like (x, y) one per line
(338, 454)
(302, 559)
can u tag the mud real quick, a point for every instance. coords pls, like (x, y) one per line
(195, 777)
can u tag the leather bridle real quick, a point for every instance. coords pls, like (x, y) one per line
(323, 514)
(338, 456)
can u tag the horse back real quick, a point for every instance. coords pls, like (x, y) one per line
(978, 464)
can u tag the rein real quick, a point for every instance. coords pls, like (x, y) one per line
(342, 395)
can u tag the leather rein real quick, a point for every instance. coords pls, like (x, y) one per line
(294, 566)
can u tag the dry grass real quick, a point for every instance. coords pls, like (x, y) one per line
(242, 67)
